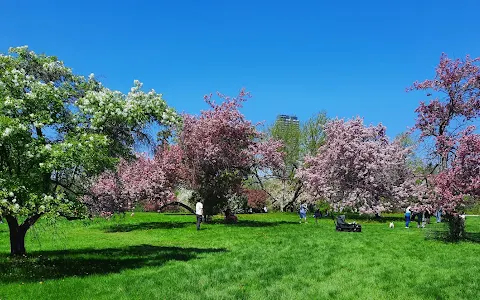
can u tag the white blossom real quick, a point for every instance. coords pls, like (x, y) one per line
(7, 132)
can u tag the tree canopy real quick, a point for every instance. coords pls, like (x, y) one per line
(359, 168)
(214, 152)
(447, 120)
(57, 129)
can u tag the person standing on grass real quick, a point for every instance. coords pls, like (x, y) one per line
(427, 217)
(317, 215)
(419, 219)
(303, 212)
(199, 213)
(438, 215)
(408, 214)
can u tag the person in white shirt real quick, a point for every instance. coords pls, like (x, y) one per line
(199, 213)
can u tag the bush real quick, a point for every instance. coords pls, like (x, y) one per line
(456, 226)
(322, 205)
(238, 203)
(257, 199)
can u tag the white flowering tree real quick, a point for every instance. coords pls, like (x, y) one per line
(57, 129)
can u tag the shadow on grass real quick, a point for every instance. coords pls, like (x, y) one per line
(178, 214)
(44, 265)
(372, 218)
(442, 235)
(171, 225)
(147, 226)
(251, 223)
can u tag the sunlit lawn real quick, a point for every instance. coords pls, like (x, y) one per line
(265, 256)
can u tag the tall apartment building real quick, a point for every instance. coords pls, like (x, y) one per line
(288, 131)
(287, 120)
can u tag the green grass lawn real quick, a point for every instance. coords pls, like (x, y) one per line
(265, 256)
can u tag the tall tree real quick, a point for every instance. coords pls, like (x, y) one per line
(313, 134)
(359, 168)
(456, 88)
(287, 130)
(215, 151)
(56, 130)
(298, 140)
(445, 121)
(220, 148)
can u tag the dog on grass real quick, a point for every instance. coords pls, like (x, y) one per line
(392, 225)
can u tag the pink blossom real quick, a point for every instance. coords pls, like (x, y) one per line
(457, 174)
(358, 167)
(144, 179)
(215, 151)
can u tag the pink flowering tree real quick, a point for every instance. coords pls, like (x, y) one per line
(444, 123)
(215, 152)
(359, 168)
(150, 181)
(256, 198)
(221, 148)
(461, 181)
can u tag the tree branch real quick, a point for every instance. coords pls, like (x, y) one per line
(30, 221)
(58, 183)
(263, 187)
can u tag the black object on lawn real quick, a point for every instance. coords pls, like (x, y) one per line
(342, 225)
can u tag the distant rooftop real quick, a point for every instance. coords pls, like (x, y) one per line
(293, 117)
(287, 118)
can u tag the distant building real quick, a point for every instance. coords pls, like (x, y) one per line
(286, 120)
(288, 130)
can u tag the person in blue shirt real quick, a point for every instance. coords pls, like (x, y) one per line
(438, 215)
(303, 212)
(408, 214)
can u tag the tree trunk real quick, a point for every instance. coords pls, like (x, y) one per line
(456, 226)
(18, 232)
(297, 193)
(191, 210)
(17, 237)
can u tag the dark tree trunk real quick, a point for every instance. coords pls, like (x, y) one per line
(456, 227)
(191, 210)
(17, 237)
(298, 191)
(18, 232)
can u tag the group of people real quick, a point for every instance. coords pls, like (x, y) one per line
(230, 217)
(263, 210)
(423, 217)
(317, 214)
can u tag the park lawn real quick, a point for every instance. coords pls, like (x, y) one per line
(265, 256)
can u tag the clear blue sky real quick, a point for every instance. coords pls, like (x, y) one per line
(298, 57)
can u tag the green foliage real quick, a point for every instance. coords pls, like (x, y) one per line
(322, 205)
(264, 256)
(299, 139)
(57, 129)
(312, 133)
(473, 208)
(289, 134)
